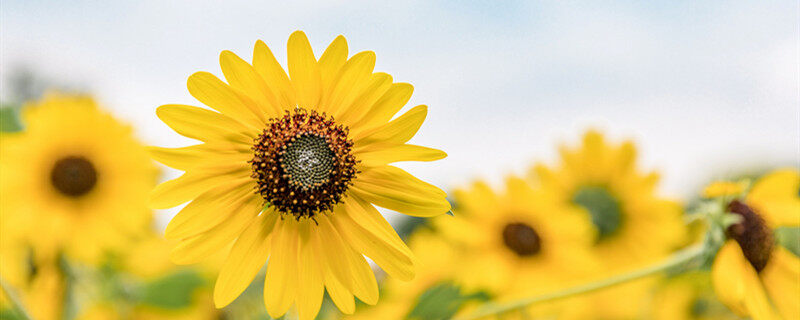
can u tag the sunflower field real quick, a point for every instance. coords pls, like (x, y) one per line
(300, 179)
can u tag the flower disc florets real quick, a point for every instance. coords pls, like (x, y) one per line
(73, 176)
(303, 163)
(522, 239)
(752, 233)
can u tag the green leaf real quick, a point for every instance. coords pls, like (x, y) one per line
(442, 301)
(9, 119)
(173, 291)
(789, 238)
(10, 314)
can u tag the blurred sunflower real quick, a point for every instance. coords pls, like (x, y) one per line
(633, 225)
(290, 169)
(516, 244)
(75, 181)
(688, 296)
(753, 274)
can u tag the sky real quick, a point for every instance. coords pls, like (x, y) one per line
(706, 89)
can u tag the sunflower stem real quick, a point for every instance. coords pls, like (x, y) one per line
(16, 305)
(680, 258)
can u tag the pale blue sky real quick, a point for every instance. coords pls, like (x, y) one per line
(706, 89)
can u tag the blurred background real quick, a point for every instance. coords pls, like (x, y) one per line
(706, 89)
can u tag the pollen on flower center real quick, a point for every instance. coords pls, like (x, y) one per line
(752, 234)
(522, 239)
(73, 176)
(303, 163)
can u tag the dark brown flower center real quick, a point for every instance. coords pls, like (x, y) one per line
(752, 233)
(522, 239)
(303, 163)
(73, 176)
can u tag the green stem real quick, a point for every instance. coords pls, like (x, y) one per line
(16, 305)
(678, 259)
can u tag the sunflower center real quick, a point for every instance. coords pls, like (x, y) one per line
(303, 163)
(522, 239)
(752, 233)
(73, 176)
(603, 208)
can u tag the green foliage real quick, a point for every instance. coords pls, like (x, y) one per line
(789, 238)
(173, 291)
(9, 314)
(442, 301)
(9, 119)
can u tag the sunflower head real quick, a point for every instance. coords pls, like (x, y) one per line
(75, 180)
(315, 145)
(303, 163)
(752, 233)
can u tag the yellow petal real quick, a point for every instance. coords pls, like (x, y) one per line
(197, 248)
(310, 285)
(210, 208)
(372, 221)
(267, 66)
(378, 84)
(781, 278)
(397, 131)
(351, 80)
(374, 157)
(392, 188)
(388, 105)
(340, 295)
(247, 256)
(280, 286)
(304, 71)
(189, 157)
(205, 125)
(243, 77)
(775, 196)
(191, 184)
(737, 284)
(330, 62)
(395, 262)
(365, 287)
(211, 91)
(727, 273)
(332, 247)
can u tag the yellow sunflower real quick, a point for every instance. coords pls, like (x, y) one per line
(75, 181)
(752, 273)
(633, 225)
(289, 169)
(688, 296)
(518, 243)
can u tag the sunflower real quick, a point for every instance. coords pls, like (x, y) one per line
(289, 169)
(75, 181)
(753, 274)
(518, 243)
(633, 225)
(688, 296)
